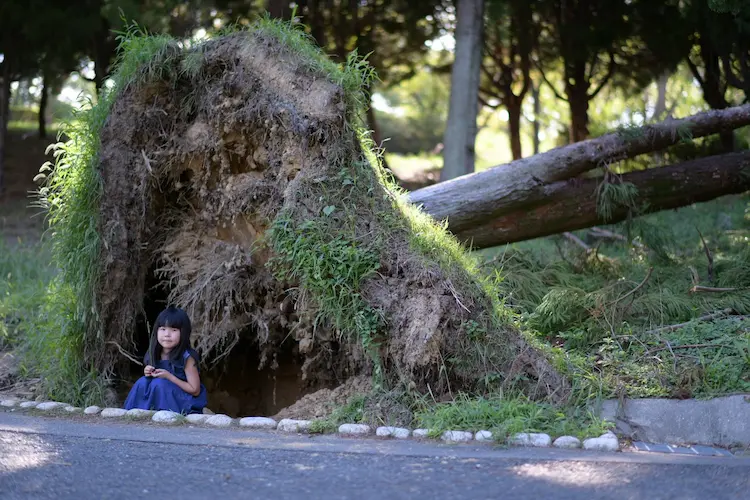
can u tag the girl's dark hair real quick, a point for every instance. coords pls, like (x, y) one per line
(172, 317)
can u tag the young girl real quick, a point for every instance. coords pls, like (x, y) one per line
(171, 380)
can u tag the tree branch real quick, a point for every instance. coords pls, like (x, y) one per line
(710, 289)
(526, 72)
(694, 70)
(709, 257)
(686, 346)
(729, 74)
(483, 101)
(554, 90)
(578, 241)
(598, 232)
(705, 317)
(631, 292)
(607, 77)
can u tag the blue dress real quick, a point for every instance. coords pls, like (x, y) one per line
(149, 393)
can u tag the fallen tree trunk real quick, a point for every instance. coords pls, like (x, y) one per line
(477, 198)
(571, 205)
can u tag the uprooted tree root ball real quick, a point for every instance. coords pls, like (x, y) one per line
(236, 178)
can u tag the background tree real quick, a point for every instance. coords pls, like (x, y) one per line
(586, 37)
(18, 32)
(461, 129)
(279, 8)
(58, 57)
(510, 35)
(718, 58)
(392, 32)
(417, 121)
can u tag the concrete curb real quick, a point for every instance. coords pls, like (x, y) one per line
(719, 421)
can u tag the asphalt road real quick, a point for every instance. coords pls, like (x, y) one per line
(62, 459)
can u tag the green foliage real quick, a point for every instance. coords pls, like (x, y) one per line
(331, 270)
(397, 33)
(416, 122)
(25, 273)
(52, 350)
(560, 308)
(505, 416)
(36, 312)
(610, 196)
(605, 310)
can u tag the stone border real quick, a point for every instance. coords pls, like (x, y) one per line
(605, 442)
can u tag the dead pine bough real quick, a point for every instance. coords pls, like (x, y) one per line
(236, 182)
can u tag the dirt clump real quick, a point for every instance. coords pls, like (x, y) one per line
(321, 403)
(236, 177)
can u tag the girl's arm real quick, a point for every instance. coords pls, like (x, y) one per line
(193, 384)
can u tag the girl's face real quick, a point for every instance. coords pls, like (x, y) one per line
(168, 337)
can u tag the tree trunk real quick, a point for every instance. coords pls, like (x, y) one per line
(514, 127)
(576, 90)
(713, 86)
(278, 9)
(474, 199)
(43, 107)
(660, 106)
(537, 114)
(571, 205)
(578, 102)
(4, 115)
(461, 129)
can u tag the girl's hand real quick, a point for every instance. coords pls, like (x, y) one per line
(148, 371)
(158, 373)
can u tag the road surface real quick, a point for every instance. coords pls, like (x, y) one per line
(50, 458)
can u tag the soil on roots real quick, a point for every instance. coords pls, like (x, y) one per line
(235, 177)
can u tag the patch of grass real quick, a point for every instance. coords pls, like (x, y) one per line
(505, 416)
(25, 273)
(50, 353)
(702, 359)
(352, 412)
(331, 270)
